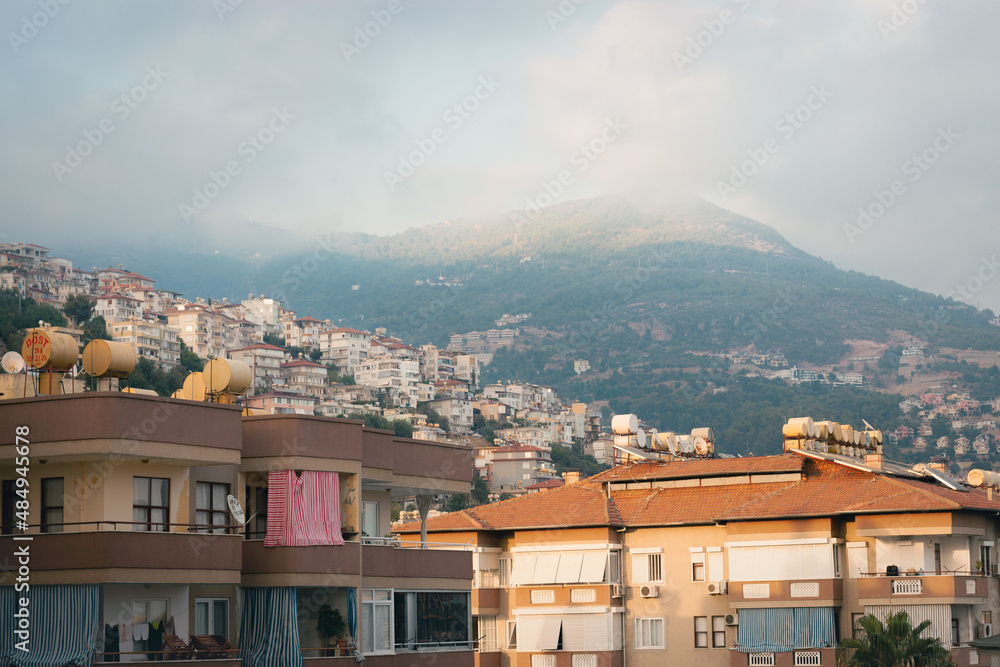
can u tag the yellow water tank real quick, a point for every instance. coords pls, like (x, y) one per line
(45, 350)
(227, 375)
(103, 358)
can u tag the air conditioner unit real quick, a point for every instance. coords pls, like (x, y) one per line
(616, 590)
(649, 591)
(987, 630)
(718, 588)
(732, 619)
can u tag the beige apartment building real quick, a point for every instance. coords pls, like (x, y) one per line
(729, 562)
(132, 544)
(152, 340)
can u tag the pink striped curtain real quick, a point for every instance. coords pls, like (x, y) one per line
(303, 509)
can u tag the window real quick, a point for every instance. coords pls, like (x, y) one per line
(614, 568)
(954, 632)
(718, 632)
(376, 620)
(432, 619)
(701, 631)
(504, 571)
(211, 616)
(52, 505)
(212, 508)
(148, 611)
(369, 519)
(698, 566)
(647, 568)
(150, 503)
(838, 551)
(511, 634)
(984, 557)
(649, 633)
(486, 633)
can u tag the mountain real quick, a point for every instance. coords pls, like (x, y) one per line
(645, 287)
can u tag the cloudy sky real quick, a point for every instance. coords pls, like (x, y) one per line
(123, 117)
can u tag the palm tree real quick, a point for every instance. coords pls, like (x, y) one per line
(895, 644)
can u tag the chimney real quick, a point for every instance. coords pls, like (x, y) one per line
(938, 465)
(873, 461)
(571, 476)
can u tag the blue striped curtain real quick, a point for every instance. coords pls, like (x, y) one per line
(63, 624)
(780, 630)
(269, 627)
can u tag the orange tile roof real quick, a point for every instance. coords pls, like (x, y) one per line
(650, 470)
(825, 489)
(568, 506)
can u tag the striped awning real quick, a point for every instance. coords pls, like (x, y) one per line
(779, 630)
(62, 625)
(269, 627)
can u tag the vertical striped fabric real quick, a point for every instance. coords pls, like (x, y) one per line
(269, 627)
(63, 626)
(303, 510)
(779, 630)
(938, 614)
(278, 505)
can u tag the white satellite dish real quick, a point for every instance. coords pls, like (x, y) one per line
(12, 362)
(236, 510)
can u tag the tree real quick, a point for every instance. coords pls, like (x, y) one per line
(316, 354)
(274, 339)
(895, 644)
(191, 361)
(78, 308)
(457, 502)
(95, 329)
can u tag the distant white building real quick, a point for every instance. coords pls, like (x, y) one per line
(345, 348)
(581, 366)
(398, 377)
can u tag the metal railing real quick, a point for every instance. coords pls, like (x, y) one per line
(104, 526)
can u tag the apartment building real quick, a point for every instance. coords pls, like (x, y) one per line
(117, 308)
(264, 361)
(131, 539)
(730, 562)
(152, 340)
(203, 330)
(458, 411)
(517, 466)
(305, 376)
(344, 347)
(304, 331)
(398, 377)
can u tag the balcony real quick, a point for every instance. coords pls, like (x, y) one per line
(102, 424)
(804, 593)
(324, 565)
(111, 552)
(407, 560)
(934, 588)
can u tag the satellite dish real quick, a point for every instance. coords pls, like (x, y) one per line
(12, 362)
(236, 510)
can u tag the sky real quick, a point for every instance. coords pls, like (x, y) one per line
(861, 130)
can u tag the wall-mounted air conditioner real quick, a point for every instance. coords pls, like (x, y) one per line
(616, 590)
(718, 588)
(649, 591)
(732, 619)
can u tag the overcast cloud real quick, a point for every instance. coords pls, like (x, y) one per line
(828, 101)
